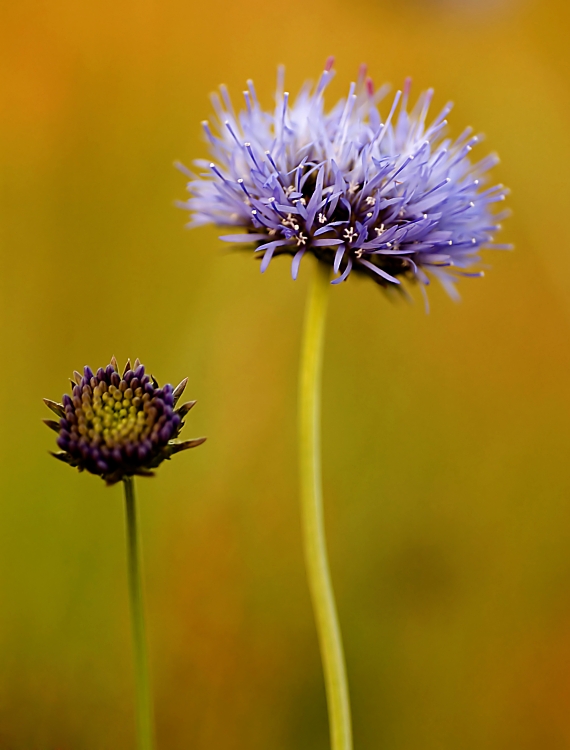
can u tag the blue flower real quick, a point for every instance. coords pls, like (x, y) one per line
(391, 198)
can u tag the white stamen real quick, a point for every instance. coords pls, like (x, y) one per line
(290, 222)
(350, 234)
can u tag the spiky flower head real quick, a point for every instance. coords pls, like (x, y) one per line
(389, 197)
(117, 426)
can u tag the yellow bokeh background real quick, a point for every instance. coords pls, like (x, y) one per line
(446, 452)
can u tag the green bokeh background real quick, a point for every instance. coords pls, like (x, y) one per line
(446, 448)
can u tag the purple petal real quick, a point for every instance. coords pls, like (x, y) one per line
(326, 243)
(245, 239)
(338, 257)
(296, 263)
(345, 273)
(378, 271)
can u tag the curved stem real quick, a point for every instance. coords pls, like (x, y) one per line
(316, 559)
(142, 681)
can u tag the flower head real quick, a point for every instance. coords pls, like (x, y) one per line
(117, 426)
(391, 198)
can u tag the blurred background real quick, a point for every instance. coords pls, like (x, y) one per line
(446, 451)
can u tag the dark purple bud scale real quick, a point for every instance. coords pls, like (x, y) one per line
(116, 426)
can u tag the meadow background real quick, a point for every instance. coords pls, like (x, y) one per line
(446, 451)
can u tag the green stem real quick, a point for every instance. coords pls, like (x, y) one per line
(143, 698)
(316, 559)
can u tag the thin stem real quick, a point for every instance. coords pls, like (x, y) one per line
(143, 698)
(316, 559)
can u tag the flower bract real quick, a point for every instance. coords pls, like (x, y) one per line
(117, 425)
(388, 196)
